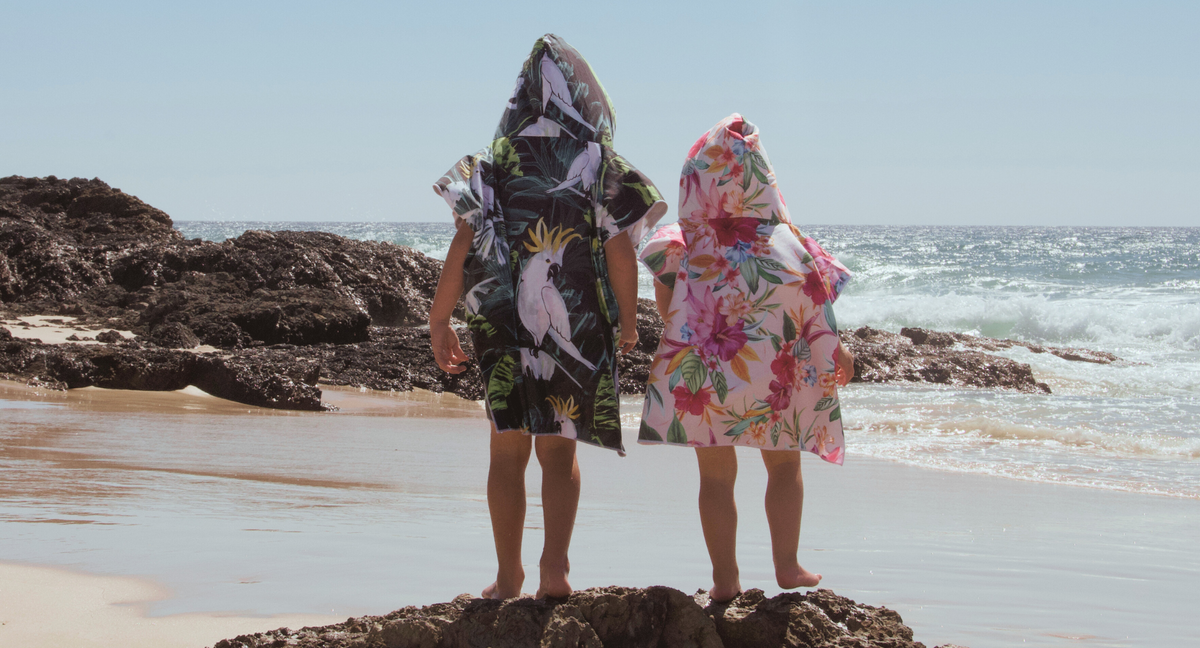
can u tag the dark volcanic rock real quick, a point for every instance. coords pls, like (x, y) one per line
(109, 337)
(817, 618)
(398, 358)
(80, 247)
(173, 335)
(654, 617)
(280, 382)
(58, 237)
(920, 337)
(880, 356)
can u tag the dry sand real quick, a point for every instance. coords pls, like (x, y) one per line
(54, 329)
(41, 607)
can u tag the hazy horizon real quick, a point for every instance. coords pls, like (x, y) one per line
(926, 113)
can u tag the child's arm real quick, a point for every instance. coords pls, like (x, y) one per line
(446, 349)
(845, 365)
(622, 272)
(662, 298)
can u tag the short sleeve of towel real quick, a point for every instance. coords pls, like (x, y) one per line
(663, 253)
(836, 274)
(462, 188)
(628, 201)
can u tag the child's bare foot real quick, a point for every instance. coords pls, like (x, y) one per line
(724, 594)
(796, 576)
(554, 580)
(505, 588)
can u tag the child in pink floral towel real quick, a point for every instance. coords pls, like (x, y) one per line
(750, 354)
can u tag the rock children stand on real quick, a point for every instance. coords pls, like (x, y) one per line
(749, 353)
(548, 215)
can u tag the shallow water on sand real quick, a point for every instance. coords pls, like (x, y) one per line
(381, 505)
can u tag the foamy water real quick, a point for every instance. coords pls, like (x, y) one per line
(1134, 292)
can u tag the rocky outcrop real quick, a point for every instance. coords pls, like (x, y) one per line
(880, 356)
(654, 617)
(939, 339)
(277, 382)
(62, 253)
(276, 301)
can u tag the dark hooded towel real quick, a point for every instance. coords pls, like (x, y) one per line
(542, 199)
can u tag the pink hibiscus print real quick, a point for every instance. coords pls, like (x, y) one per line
(815, 288)
(694, 404)
(725, 340)
(781, 395)
(729, 231)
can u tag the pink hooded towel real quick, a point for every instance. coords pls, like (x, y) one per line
(747, 352)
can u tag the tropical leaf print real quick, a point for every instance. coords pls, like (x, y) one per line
(500, 383)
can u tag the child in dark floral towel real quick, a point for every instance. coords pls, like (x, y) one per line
(548, 216)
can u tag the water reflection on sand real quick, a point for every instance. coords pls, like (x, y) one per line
(380, 505)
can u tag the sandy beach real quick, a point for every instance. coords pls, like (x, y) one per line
(43, 607)
(207, 518)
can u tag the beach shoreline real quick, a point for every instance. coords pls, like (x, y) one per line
(970, 559)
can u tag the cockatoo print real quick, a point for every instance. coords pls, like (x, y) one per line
(556, 91)
(539, 304)
(472, 298)
(583, 171)
(565, 413)
(543, 128)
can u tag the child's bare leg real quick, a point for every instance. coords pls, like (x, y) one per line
(506, 503)
(785, 503)
(718, 517)
(560, 501)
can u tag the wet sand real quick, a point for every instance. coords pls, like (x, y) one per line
(236, 510)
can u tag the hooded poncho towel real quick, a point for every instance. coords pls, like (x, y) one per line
(542, 199)
(747, 352)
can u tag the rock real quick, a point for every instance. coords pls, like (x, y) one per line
(173, 335)
(921, 336)
(817, 618)
(653, 617)
(109, 337)
(56, 236)
(880, 356)
(277, 382)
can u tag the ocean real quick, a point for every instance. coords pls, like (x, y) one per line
(1134, 292)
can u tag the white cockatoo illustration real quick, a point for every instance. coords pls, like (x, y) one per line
(539, 304)
(472, 298)
(556, 91)
(583, 172)
(543, 128)
(565, 413)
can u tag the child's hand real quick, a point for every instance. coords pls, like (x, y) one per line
(845, 366)
(629, 336)
(446, 349)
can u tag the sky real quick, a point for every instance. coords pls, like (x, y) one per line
(883, 113)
